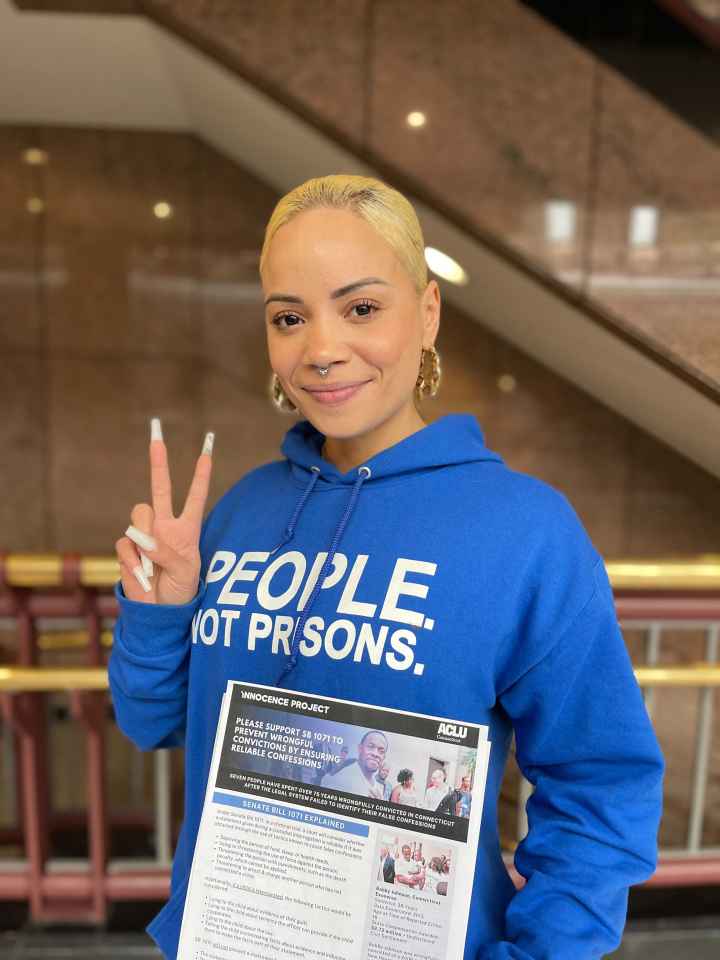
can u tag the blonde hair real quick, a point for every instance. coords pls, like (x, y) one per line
(380, 205)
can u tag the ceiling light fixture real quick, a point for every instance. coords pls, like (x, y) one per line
(444, 266)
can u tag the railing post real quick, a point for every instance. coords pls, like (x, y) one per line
(23, 714)
(652, 655)
(10, 778)
(137, 778)
(89, 708)
(163, 842)
(26, 713)
(702, 747)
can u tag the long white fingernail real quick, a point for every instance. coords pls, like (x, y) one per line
(143, 540)
(208, 444)
(147, 564)
(142, 579)
(155, 429)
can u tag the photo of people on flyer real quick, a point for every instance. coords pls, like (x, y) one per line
(396, 768)
(414, 864)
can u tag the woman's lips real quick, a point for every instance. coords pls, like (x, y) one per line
(334, 397)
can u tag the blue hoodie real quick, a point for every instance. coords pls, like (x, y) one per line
(497, 610)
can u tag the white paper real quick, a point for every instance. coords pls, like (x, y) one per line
(299, 854)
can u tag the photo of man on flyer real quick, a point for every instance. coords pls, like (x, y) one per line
(360, 775)
(410, 867)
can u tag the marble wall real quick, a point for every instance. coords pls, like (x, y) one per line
(109, 315)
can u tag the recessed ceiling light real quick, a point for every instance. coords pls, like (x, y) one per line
(35, 205)
(416, 118)
(163, 210)
(35, 157)
(445, 267)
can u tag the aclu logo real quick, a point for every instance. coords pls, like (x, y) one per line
(452, 730)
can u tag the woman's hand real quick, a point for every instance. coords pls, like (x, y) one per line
(176, 555)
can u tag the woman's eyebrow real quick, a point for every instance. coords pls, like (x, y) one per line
(340, 292)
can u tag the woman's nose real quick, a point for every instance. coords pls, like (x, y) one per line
(322, 344)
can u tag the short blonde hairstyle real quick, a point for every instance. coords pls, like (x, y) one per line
(380, 205)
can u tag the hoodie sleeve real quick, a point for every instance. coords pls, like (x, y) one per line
(584, 740)
(148, 665)
(148, 669)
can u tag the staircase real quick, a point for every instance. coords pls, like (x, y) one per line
(585, 213)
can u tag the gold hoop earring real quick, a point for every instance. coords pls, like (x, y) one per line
(280, 399)
(428, 381)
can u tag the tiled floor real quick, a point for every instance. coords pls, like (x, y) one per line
(701, 944)
(671, 945)
(77, 946)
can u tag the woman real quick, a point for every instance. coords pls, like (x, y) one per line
(404, 790)
(497, 606)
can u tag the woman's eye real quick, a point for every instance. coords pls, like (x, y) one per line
(284, 316)
(365, 304)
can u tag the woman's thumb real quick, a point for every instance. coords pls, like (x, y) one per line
(140, 531)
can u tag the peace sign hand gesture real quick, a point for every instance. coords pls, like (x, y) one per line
(169, 571)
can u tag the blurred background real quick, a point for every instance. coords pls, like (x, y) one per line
(563, 159)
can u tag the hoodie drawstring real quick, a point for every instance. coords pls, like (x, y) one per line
(363, 474)
(290, 528)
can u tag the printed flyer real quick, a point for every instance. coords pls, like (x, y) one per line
(334, 830)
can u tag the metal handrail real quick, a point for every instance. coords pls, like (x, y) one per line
(690, 573)
(58, 569)
(70, 639)
(691, 675)
(641, 574)
(50, 679)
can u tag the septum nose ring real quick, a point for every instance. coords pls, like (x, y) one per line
(323, 371)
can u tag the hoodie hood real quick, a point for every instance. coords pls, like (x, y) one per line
(453, 439)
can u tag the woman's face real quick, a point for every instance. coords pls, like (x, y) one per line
(371, 335)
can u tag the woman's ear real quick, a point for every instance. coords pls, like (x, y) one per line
(430, 309)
